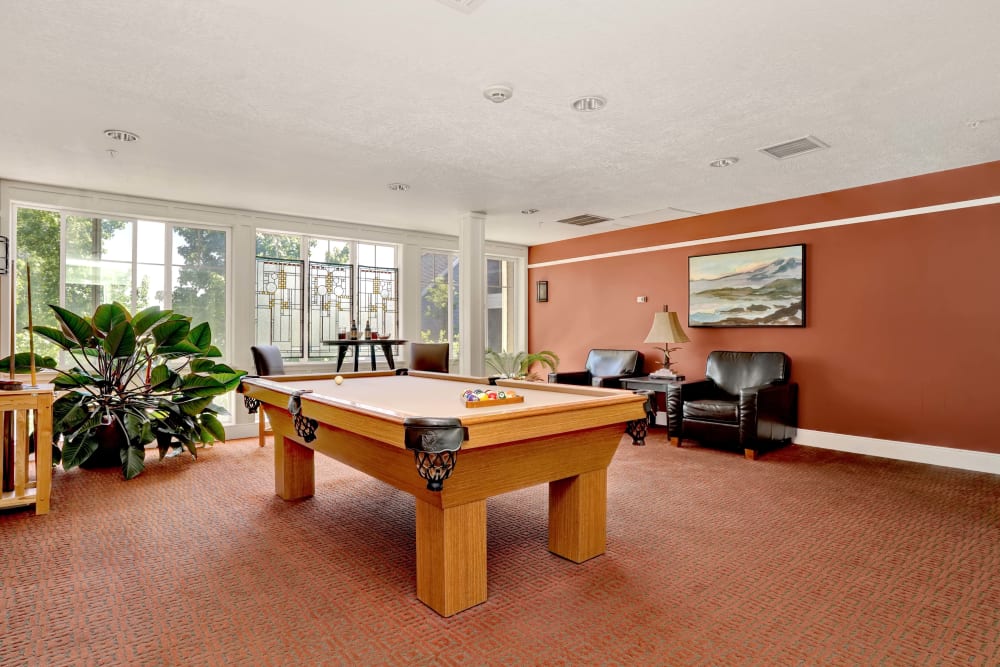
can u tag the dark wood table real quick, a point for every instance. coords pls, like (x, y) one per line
(657, 384)
(343, 344)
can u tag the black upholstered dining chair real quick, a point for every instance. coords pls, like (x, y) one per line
(267, 361)
(429, 357)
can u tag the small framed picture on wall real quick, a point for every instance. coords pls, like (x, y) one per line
(542, 291)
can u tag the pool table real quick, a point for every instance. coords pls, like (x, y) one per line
(416, 433)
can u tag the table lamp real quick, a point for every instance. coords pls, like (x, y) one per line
(666, 329)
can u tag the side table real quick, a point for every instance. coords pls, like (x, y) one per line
(656, 384)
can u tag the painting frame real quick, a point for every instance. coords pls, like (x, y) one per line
(761, 287)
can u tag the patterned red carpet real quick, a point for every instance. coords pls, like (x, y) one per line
(805, 557)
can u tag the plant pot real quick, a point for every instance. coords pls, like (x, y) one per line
(110, 441)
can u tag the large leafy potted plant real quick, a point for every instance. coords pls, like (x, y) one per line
(135, 379)
(517, 365)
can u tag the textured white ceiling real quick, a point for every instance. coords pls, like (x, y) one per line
(312, 107)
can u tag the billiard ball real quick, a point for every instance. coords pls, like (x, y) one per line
(339, 379)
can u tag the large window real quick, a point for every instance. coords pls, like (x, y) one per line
(310, 290)
(439, 306)
(81, 261)
(501, 320)
(439, 290)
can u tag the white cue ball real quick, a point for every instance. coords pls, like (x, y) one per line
(339, 379)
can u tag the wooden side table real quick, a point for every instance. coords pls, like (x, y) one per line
(658, 385)
(15, 407)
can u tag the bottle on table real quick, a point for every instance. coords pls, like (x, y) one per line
(368, 330)
(354, 330)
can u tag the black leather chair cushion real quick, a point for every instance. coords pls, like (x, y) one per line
(716, 411)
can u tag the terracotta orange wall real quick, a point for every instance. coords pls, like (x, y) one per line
(903, 316)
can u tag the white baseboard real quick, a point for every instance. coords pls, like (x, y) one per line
(236, 431)
(949, 457)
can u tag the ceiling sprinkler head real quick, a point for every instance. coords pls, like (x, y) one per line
(498, 93)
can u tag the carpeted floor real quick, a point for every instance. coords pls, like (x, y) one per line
(805, 557)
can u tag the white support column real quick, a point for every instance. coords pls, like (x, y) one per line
(472, 294)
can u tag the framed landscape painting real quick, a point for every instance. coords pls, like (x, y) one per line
(752, 288)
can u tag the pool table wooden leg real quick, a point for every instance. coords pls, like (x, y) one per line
(578, 515)
(451, 556)
(294, 469)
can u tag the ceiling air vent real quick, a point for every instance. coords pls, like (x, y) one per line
(464, 6)
(584, 220)
(794, 147)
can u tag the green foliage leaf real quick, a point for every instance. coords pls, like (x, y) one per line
(120, 341)
(183, 348)
(200, 385)
(77, 450)
(78, 329)
(72, 380)
(161, 377)
(62, 405)
(200, 366)
(201, 336)
(230, 380)
(163, 443)
(69, 417)
(109, 315)
(148, 318)
(56, 336)
(133, 461)
(213, 426)
(194, 406)
(171, 332)
(22, 362)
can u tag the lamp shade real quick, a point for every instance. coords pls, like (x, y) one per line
(666, 329)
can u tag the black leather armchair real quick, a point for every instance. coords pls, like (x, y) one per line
(745, 400)
(605, 368)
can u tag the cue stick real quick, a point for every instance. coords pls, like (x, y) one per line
(12, 323)
(31, 333)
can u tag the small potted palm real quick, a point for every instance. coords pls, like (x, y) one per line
(135, 380)
(517, 365)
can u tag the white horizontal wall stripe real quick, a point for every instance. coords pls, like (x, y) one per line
(889, 215)
(901, 451)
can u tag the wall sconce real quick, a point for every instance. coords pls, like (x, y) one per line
(3, 255)
(542, 291)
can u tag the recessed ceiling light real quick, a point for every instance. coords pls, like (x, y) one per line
(121, 135)
(724, 162)
(398, 187)
(529, 211)
(589, 103)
